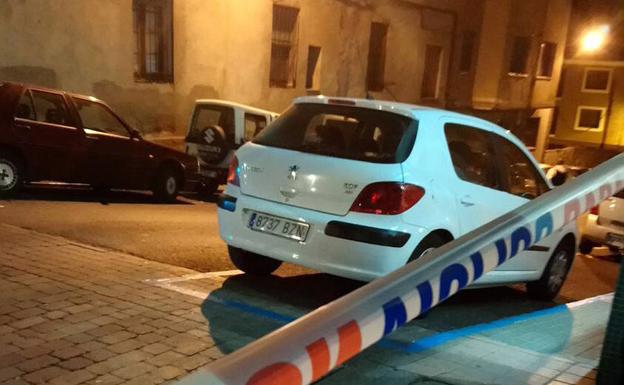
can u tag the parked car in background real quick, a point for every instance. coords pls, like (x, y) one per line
(604, 226)
(216, 129)
(357, 188)
(52, 135)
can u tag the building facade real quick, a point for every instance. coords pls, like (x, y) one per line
(150, 59)
(591, 110)
(591, 103)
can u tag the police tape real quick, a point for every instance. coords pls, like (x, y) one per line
(310, 347)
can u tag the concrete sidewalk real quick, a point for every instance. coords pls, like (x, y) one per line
(71, 314)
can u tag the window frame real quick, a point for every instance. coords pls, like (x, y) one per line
(166, 43)
(107, 108)
(313, 75)
(467, 51)
(584, 88)
(501, 181)
(504, 182)
(539, 75)
(490, 146)
(257, 118)
(293, 50)
(577, 118)
(438, 77)
(71, 120)
(525, 69)
(376, 81)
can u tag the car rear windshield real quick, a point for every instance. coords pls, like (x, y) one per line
(211, 115)
(343, 132)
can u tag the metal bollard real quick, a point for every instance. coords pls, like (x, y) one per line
(307, 349)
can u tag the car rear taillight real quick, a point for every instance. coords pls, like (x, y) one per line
(595, 210)
(233, 172)
(387, 198)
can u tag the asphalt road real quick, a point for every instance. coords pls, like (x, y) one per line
(186, 234)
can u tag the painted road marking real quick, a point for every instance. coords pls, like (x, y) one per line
(416, 346)
(210, 275)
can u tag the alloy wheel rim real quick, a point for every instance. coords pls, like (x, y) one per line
(170, 185)
(8, 176)
(559, 270)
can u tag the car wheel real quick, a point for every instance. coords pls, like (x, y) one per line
(252, 263)
(431, 241)
(11, 175)
(587, 246)
(555, 273)
(167, 185)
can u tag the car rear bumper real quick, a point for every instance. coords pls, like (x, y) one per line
(596, 232)
(333, 244)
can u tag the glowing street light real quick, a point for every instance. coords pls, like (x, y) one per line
(594, 39)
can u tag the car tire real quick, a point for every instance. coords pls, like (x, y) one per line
(586, 246)
(554, 275)
(11, 175)
(431, 241)
(252, 263)
(167, 185)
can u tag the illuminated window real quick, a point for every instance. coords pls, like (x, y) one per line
(154, 41)
(376, 57)
(284, 47)
(590, 118)
(597, 80)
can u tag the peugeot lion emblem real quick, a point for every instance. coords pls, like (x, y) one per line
(292, 172)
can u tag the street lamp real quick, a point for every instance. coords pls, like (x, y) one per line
(594, 39)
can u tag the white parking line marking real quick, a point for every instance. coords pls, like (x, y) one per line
(190, 277)
(602, 298)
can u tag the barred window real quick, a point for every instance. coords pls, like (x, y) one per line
(153, 34)
(284, 47)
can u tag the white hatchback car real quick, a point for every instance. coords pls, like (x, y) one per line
(357, 188)
(604, 225)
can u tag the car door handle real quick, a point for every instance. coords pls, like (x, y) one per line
(466, 200)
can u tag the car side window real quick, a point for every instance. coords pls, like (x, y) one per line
(519, 174)
(97, 117)
(253, 125)
(25, 108)
(472, 155)
(50, 107)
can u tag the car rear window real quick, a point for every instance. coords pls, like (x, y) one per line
(342, 132)
(619, 194)
(211, 115)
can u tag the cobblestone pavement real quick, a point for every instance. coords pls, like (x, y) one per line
(71, 314)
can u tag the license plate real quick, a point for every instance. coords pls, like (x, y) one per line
(279, 226)
(616, 240)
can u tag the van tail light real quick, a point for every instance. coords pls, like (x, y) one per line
(233, 175)
(387, 198)
(595, 210)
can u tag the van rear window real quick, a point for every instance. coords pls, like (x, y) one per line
(342, 132)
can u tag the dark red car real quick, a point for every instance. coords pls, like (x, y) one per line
(51, 135)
